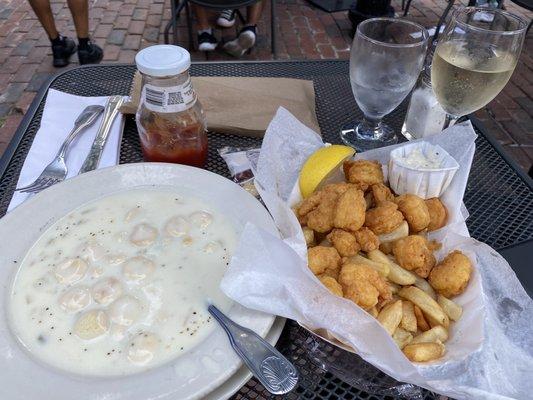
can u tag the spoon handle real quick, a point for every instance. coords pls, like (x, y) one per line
(269, 366)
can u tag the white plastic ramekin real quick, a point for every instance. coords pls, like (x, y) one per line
(424, 182)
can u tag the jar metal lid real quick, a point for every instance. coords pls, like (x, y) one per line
(163, 60)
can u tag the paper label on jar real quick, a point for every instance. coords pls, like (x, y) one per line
(169, 99)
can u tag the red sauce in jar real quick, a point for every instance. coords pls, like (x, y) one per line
(175, 143)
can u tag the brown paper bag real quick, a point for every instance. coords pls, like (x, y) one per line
(243, 105)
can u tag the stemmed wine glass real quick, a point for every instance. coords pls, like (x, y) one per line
(386, 58)
(474, 59)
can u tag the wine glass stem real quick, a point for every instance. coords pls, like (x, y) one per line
(450, 121)
(372, 126)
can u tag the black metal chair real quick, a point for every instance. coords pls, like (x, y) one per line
(527, 4)
(177, 8)
(406, 4)
(442, 18)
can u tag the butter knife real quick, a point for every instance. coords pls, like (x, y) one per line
(110, 113)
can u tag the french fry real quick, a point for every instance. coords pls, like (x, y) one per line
(409, 322)
(422, 352)
(373, 311)
(396, 273)
(429, 306)
(421, 322)
(398, 233)
(452, 309)
(437, 333)
(394, 288)
(436, 322)
(324, 242)
(402, 337)
(382, 268)
(309, 236)
(368, 200)
(390, 316)
(400, 275)
(426, 287)
(378, 256)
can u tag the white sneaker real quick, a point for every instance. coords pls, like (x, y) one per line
(207, 41)
(226, 19)
(240, 45)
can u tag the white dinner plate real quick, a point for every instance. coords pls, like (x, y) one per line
(190, 376)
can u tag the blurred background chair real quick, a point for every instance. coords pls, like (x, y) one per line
(177, 7)
(527, 4)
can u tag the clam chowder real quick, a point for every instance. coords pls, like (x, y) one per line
(120, 285)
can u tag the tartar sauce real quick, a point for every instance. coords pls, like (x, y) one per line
(417, 159)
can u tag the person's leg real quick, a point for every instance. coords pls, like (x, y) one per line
(202, 17)
(62, 47)
(206, 40)
(88, 52)
(80, 14)
(46, 18)
(253, 13)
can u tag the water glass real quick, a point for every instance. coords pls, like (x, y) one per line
(386, 58)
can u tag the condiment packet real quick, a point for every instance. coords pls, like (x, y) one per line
(240, 162)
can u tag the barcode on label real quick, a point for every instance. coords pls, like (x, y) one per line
(155, 97)
(175, 98)
(169, 99)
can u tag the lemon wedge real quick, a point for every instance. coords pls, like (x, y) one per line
(320, 165)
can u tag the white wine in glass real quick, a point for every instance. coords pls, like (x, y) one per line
(475, 59)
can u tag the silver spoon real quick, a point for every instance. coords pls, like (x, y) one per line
(269, 366)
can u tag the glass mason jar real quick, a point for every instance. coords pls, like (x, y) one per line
(424, 116)
(170, 119)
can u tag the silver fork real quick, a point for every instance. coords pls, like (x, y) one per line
(56, 171)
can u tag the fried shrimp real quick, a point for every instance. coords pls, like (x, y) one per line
(363, 173)
(437, 213)
(345, 242)
(412, 253)
(451, 275)
(320, 219)
(381, 193)
(384, 218)
(349, 211)
(332, 285)
(363, 285)
(322, 259)
(367, 239)
(415, 211)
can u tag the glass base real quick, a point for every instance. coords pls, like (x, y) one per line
(364, 136)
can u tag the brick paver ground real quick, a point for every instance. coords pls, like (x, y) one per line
(123, 27)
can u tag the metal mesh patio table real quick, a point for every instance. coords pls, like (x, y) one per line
(499, 198)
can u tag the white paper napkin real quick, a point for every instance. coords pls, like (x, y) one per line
(60, 112)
